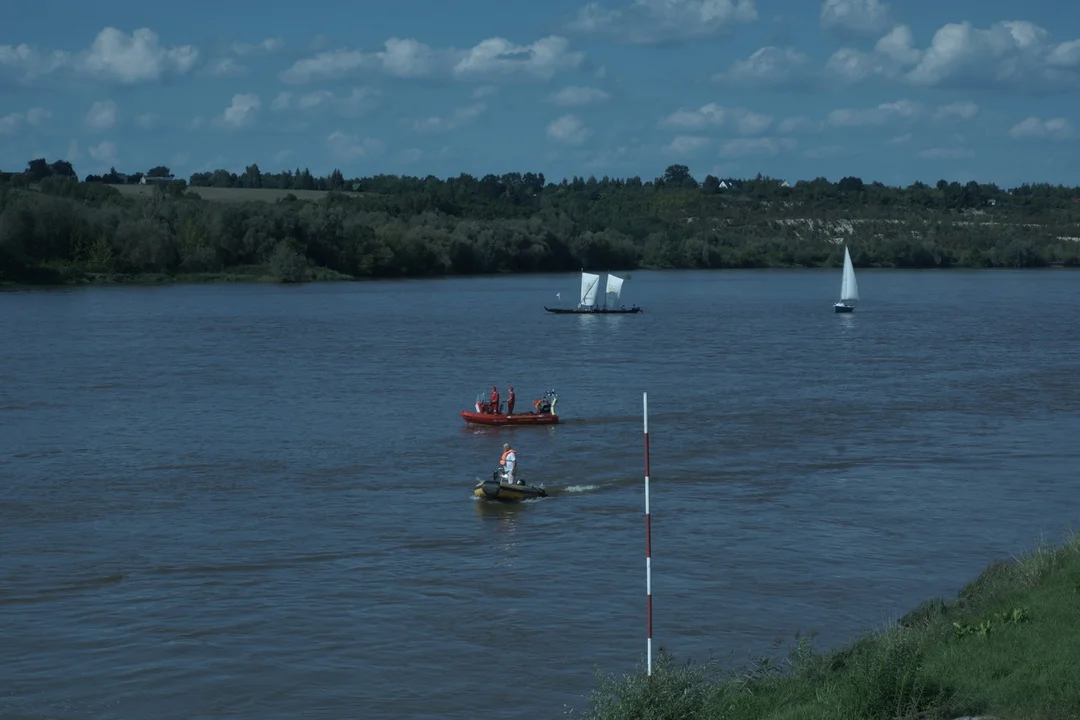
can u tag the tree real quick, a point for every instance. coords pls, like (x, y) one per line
(62, 168)
(677, 175)
(37, 170)
(159, 171)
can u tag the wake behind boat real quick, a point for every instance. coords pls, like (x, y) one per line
(587, 305)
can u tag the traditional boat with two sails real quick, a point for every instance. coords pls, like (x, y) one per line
(587, 305)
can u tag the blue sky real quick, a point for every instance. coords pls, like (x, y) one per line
(896, 92)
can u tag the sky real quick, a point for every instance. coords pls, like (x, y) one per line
(893, 92)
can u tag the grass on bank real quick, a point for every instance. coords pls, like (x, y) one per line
(1008, 646)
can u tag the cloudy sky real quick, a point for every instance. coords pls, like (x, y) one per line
(896, 92)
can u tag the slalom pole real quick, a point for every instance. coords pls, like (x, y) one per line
(648, 539)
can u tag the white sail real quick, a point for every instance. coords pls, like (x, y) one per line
(614, 288)
(589, 282)
(849, 289)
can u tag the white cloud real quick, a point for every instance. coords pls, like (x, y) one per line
(964, 110)
(147, 120)
(408, 58)
(654, 21)
(688, 144)
(113, 56)
(741, 120)
(483, 91)
(894, 51)
(707, 115)
(608, 159)
(351, 147)
(358, 101)
(743, 147)
(27, 64)
(792, 124)
(767, 66)
(751, 123)
(101, 116)
(134, 58)
(314, 99)
(1053, 128)
(104, 152)
(411, 155)
(242, 110)
(1017, 54)
(282, 101)
(862, 17)
(574, 95)
(461, 116)
(823, 152)
(946, 153)
(880, 115)
(37, 115)
(568, 129)
(10, 123)
(226, 67)
(266, 46)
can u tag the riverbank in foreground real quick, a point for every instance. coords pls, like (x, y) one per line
(1006, 647)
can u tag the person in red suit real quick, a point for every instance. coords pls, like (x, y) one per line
(510, 401)
(494, 400)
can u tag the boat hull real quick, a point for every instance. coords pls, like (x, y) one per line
(594, 311)
(505, 492)
(476, 418)
(842, 308)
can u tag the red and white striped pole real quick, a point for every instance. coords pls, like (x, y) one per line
(648, 538)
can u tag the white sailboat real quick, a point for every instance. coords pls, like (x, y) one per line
(849, 288)
(590, 283)
(590, 286)
(614, 290)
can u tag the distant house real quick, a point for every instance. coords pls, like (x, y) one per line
(155, 180)
(723, 185)
(784, 184)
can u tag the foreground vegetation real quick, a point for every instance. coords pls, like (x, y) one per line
(1006, 647)
(293, 226)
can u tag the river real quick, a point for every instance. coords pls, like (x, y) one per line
(254, 501)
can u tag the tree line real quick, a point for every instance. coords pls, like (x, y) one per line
(56, 228)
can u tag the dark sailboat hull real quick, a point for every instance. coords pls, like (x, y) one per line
(593, 311)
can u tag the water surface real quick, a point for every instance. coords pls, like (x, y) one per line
(254, 501)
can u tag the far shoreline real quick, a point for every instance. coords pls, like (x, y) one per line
(262, 275)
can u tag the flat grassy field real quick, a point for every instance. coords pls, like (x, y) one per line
(215, 194)
(1007, 647)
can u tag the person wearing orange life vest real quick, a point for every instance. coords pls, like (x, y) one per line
(508, 462)
(494, 400)
(510, 401)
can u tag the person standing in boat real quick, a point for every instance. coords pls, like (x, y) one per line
(510, 401)
(509, 463)
(494, 400)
